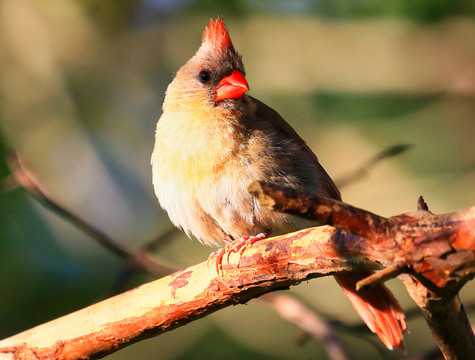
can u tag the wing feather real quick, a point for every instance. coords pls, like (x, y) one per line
(268, 114)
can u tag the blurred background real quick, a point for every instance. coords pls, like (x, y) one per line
(81, 88)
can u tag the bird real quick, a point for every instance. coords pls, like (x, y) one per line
(213, 140)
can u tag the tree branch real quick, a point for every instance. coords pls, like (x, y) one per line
(187, 295)
(436, 251)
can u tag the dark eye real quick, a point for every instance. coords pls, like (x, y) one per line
(204, 76)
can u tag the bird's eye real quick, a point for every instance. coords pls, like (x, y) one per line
(204, 76)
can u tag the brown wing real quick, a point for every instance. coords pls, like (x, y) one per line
(268, 114)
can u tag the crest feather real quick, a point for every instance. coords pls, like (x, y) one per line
(216, 35)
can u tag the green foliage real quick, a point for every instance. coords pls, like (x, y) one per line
(361, 107)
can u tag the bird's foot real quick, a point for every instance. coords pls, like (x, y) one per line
(240, 245)
(237, 246)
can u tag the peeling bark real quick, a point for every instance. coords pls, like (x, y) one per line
(435, 252)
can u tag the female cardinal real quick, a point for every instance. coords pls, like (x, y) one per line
(213, 140)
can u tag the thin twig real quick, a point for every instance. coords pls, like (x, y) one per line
(131, 268)
(28, 181)
(160, 240)
(381, 276)
(364, 169)
(306, 319)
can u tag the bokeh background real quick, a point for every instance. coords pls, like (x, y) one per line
(81, 88)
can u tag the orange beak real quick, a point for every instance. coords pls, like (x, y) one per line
(232, 86)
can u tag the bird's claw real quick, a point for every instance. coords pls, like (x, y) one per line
(217, 256)
(237, 246)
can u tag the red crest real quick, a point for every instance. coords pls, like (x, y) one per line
(216, 35)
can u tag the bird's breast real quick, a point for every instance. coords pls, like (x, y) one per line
(192, 150)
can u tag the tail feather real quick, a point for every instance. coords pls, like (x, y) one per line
(377, 307)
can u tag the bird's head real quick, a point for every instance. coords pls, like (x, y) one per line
(215, 74)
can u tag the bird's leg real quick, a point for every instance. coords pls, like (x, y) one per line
(237, 246)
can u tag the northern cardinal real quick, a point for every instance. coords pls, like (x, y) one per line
(213, 140)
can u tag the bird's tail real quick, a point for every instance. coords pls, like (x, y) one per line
(377, 307)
